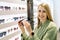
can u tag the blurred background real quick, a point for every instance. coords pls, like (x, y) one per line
(11, 11)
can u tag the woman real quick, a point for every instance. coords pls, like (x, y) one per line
(46, 29)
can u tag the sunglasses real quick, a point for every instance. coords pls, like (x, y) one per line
(2, 34)
(2, 20)
(5, 7)
(42, 11)
(10, 30)
(15, 28)
(21, 17)
(15, 18)
(1, 7)
(21, 8)
(8, 8)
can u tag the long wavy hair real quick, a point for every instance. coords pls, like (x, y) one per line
(48, 12)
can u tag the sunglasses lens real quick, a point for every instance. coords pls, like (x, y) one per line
(14, 28)
(1, 34)
(1, 6)
(4, 33)
(17, 27)
(11, 29)
(15, 18)
(8, 30)
(19, 8)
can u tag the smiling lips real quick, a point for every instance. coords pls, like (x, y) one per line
(41, 16)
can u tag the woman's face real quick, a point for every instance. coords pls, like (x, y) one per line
(42, 13)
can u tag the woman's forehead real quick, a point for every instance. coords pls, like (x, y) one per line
(41, 8)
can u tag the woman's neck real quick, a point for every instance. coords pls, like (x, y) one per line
(43, 21)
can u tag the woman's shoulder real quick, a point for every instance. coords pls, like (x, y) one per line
(52, 24)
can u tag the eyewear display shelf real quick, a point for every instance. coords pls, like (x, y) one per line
(10, 12)
(13, 33)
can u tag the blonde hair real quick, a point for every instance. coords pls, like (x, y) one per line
(45, 6)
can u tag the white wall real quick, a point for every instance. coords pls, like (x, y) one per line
(57, 12)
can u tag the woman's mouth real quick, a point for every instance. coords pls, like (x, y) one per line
(42, 16)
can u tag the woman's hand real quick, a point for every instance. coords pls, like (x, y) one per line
(27, 26)
(21, 26)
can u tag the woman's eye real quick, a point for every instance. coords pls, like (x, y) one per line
(39, 10)
(44, 11)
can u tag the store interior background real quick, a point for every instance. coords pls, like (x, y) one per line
(22, 10)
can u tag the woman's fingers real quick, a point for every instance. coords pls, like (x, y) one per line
(21, 26)
(20, 23)
(26, 23)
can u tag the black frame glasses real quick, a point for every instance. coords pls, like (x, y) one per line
(2, 34)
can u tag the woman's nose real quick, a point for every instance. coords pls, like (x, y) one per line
(41, 13)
